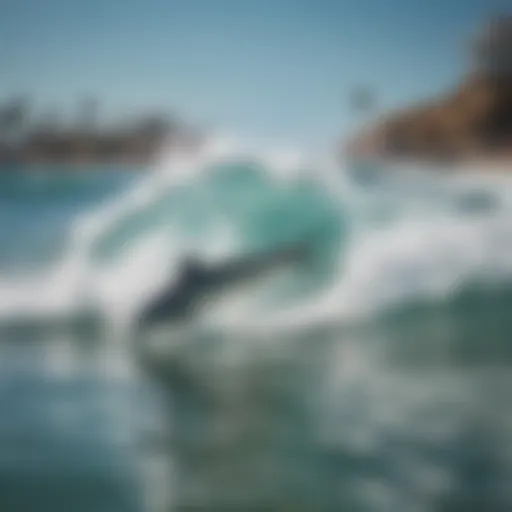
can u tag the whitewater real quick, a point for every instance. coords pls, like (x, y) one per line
(374, 378)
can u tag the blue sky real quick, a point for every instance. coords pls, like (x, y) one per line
(270, 69)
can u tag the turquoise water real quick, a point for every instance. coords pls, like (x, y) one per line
(376, 377)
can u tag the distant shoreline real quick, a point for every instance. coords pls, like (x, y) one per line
(133, 154)
(75, 152)
(26, 140)
(71, 166)
(77, 163)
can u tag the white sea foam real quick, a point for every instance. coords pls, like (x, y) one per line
(410, 235)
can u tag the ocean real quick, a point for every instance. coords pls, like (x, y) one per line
(373, 377)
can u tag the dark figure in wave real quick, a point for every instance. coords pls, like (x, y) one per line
(199, 282)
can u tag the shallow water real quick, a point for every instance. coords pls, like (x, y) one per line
(375, 378)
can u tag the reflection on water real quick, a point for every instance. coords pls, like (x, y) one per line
(338, 419)
(321, 419)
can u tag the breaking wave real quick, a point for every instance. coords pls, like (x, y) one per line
(375, 376)
(380, 237)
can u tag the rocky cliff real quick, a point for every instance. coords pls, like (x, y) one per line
(473, 120)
